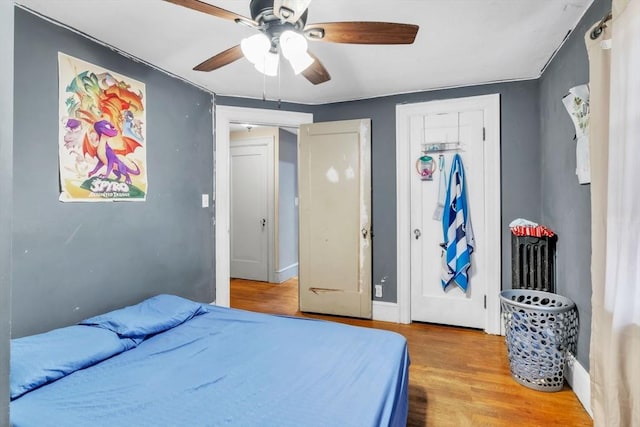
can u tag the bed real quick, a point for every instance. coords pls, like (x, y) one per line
(169, 361)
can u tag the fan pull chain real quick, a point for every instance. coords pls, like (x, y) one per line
(279, 84)
(264, 87)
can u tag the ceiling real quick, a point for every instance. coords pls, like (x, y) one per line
(460, 43)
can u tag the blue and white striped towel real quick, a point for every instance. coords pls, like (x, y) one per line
(458, 234)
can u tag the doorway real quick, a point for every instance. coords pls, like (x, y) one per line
(224, 116)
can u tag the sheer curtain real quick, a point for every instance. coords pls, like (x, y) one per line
(615, 331)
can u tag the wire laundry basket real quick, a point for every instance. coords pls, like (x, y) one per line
(541, 328)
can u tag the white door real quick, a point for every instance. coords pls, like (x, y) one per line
(334, 170)
(430, 302)
(249, 213)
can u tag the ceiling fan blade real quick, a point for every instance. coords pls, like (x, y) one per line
(290, 10)
(214, 10)
(362, 32)
(220, 60)
(316, 73)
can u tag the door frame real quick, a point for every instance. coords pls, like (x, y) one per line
(491, 105)
(252, 141)
(223, 117)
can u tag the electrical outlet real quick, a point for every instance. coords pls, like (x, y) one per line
(205, 200)
(378, 289)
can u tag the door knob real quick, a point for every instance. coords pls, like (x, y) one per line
(417, 233)
(364, 232)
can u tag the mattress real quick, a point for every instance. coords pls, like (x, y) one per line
(227, 367)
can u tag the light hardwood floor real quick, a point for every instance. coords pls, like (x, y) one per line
(457, 377)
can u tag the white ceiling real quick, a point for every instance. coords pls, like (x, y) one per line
(460, 43)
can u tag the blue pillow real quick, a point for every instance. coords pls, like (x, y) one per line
(151, 316)
(40, 359)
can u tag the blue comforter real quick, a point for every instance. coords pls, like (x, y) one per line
(234, 368)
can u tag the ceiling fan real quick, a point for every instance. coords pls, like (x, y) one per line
(283, 29)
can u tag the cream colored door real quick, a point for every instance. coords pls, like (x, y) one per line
(249, 215)
(429, 301)
(335, 218)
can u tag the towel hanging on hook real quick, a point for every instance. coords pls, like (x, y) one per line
(459, 242)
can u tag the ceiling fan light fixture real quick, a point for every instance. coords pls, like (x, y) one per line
(283, 30)
(300, 62)
(293, 44)
(255, 48)
(268, 64)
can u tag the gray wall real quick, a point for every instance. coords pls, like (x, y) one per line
(6, 177)
(520, 164)
(566, 204)
(287, 192)
(73, 260)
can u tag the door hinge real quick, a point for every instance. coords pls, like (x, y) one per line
(485, 302)
(484, 133)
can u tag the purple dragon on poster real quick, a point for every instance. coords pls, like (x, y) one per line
(116, 163)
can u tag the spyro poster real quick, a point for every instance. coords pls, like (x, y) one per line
(102, 138)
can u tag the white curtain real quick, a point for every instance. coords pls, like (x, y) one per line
(615, 339)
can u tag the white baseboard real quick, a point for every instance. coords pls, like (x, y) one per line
(386, 311)
(286, 273)
(580, 381)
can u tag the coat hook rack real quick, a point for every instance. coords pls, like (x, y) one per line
(438, 147)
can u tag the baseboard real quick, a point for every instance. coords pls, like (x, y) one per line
(580, 381)
(286, 273)
(386, 311)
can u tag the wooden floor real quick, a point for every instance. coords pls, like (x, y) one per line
(458, 376)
